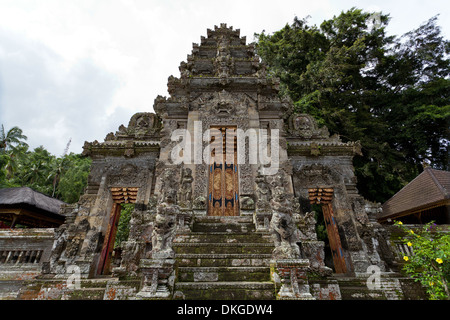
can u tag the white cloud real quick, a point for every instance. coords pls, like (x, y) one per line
(80, 68)
(49, 102)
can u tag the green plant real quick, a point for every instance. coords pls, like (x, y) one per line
(429, 263)
(123, 229)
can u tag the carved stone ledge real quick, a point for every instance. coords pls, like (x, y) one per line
(294, 279)
(158, 282)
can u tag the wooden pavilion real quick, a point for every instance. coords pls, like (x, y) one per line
(424, 199)
(29, 208)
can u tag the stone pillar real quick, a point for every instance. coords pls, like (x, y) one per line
(294, 279)
(158, 278)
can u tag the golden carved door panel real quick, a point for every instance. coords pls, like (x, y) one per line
(223, 174)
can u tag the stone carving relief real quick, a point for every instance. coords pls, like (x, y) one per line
(282, 225)
(283, 228)
(263, 193)
(168, 127)
(167, 182)
(317, 175)
(141, 125)
(247, 202)
(130, 258)
(185, 192)
(223, 62)
(305, 127)
(199, 203)
(307, 226)
(165, 227)
(236, 108)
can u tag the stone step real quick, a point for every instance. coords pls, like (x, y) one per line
(222, 260)
(223, 248)
(390, 287)
(223, 219)
(241, 290)
(222, 237)
(223, 274)
(223, 224)
(87, 294)
(223, 227)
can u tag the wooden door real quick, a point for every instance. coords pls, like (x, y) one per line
(223, 195)
(108, 244)
(119, 195)
(324, 197)
(333, 237)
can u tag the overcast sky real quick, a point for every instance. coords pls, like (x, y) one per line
(78, 69)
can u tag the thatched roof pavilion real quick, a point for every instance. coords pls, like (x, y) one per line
(29, 208)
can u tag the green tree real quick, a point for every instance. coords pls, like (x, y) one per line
(13, 136)
(123, 228)
(36, 170)
(62, 177)
(3, 180)
(390, 93)
(74, 178)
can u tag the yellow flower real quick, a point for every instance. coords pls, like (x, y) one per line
(400, 223)
(431, 283)
(412, 232)
(439, 260)
(409, 244)
(405, 258)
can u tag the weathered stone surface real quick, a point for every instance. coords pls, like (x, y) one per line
(222, 83)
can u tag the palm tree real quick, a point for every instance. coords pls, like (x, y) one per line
(14, 136)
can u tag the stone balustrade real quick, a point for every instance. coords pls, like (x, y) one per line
(21, 248)
(14, 257)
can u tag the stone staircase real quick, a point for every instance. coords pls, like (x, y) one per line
(392, 286)
(223, 258)
(105, 288)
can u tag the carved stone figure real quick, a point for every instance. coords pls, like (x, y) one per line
(164, 227)
(199, 203)
(304, 126)
(185, 192)
(263, 193)
(59, 245)
(130, 253)
(263, 210)
(283, 228)
(167, 182)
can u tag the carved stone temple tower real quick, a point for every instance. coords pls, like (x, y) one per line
(224, 177)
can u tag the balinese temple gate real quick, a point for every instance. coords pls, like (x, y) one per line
(228, 185)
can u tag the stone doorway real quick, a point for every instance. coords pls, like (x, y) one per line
(323, 197)
(223, 182)
(120, 196)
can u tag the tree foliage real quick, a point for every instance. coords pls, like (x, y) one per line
(429, 263)
(11, 138)
(123, 228)
(62, 177)
(390, 93)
